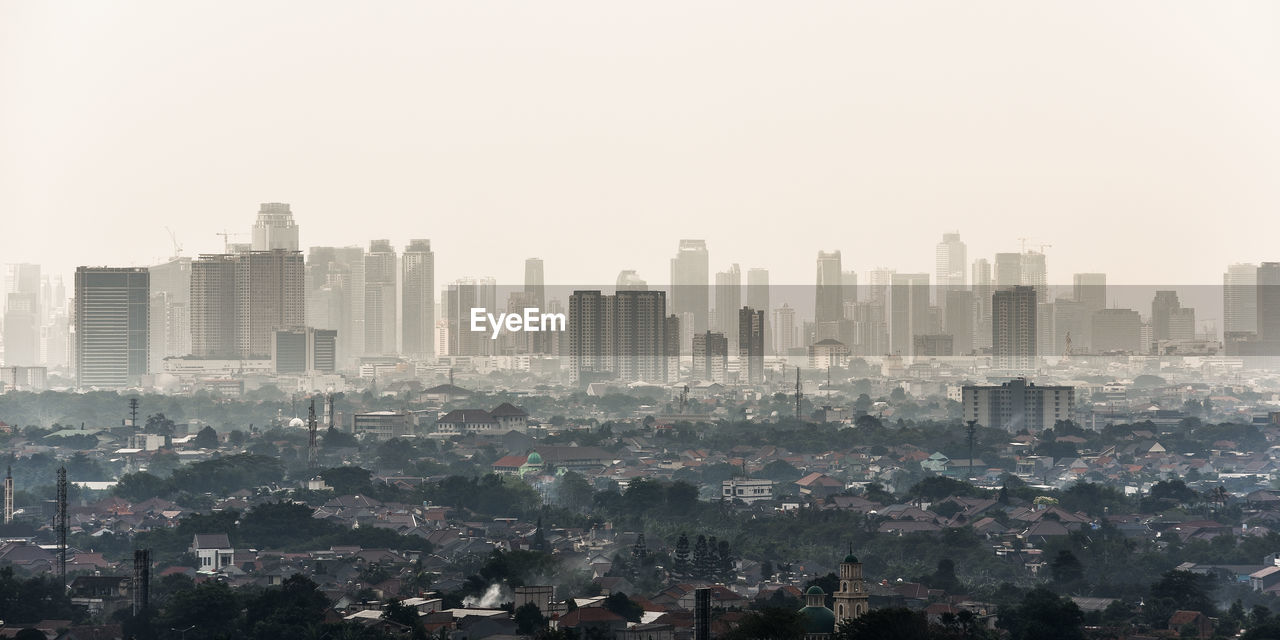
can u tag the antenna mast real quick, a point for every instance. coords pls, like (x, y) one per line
(799, 394)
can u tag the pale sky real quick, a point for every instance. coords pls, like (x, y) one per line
(1137, 138)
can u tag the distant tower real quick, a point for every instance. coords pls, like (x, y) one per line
(313, 452)
(274, 228)
(851, 598)
(60, 525)
(799, 394)
(8, 496)
(133, 412)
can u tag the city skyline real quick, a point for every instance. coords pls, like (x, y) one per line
(846, 123)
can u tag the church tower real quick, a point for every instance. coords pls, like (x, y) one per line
(851, 598)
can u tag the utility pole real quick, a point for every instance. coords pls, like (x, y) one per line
(313, 452)
(799, 394)
(972, 429)
(133, 412)
(60, 525)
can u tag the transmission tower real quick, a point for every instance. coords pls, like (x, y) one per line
(799, 394)
(313, 453)
(133, 412)
(141, 580)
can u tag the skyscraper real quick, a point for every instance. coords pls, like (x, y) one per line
(950, 264)
(535, 281)
(111, 326)
(1035, 273)
(829, 295)
(728, 301)
(1240, 299)
(380, 299)
(908, 310)
(1162, 308)
(784, 329)
(418, 314)
(170, 310)
(690, 285)
(274, 228)
(1013, 328)
(983, 287)
(1090, 289)
(335, 296)
(629, 280)
(958, 318)
(622, 336)
(1008, 270)
(751, 345)
(1268, 311)
(711, 357)
(758, 298)
(463, 295)
(21, 329)
(271, 289)
(214, 306)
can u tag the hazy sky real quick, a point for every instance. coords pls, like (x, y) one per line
(1138, 138)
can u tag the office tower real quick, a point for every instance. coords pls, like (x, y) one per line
(958, 319)
(1017, 405)
(1008, 270)
(460, 298)
(784, 332)
(728, 301)
(1090, 289)
(630, 281)
(22, 330)
(1074, 319)
(214, 306)
(950, 262)
(711, 357)
(535, 282)
(304, 350)
(1117, 330)
(829, 294)
(983, 286)
(1162, 307)
(758, 298)
(1268, 309)
(1013, 328)
(23, 278)
(1182, 324)
(238, 300)
(170, 310)
(1034, 273)
(671, 350)
(621, 336)
(271, 293)
(111, 326)
(848, 288)
(751, 345)
(380, 299)
(690, 285)
(335, 296)
(418, 315)
(908, 310)
(1240, 299)
(274, 228)
(870, 332)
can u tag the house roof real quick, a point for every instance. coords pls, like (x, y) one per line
(211, 541)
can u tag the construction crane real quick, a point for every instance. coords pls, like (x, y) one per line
(226, 239)
(1042, 246)
(177, 248)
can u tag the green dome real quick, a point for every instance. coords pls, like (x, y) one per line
(534, 458)
(818, 619)
(851, 559)
(815, 590)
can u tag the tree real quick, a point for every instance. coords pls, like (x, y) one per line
(573, 491)
(768, 624)
(207, 438)
(885, 624)
(210, 611)
(620, 604)
(680, 561)
(1042, 615)
(1066, 569)
(529, 619)
(702, 561)
(348, 480)
(1179, 590)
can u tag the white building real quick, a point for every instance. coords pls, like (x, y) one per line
(747, 489)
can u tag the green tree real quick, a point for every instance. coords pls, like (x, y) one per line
(885, 624)
(1042, 615)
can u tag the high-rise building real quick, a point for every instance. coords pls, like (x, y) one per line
(622, 336)
(958, 319)
(908, 310)
(828, 295)
(1035, 273)
(728, 301)
(111, 319)
(1162, 307)
(380, 299)
(1008, 270)
(274, 228)
(784, 329)
(711, 357)
(418, 314)
(271, 291)
(22, 329)
(751, 345)
(170, 310)
(1240, 299)
(1013, 328)
(536, 289)
(758, 298)
(1090, 289)
(238, 300)
(629, 280)
(335, 296)
(460, 298)
(1117, 331)
(951, 260)
(690, 285)
(983, 287)
(304, 350)
(1268, 311)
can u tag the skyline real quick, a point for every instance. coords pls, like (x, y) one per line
(847, 130)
